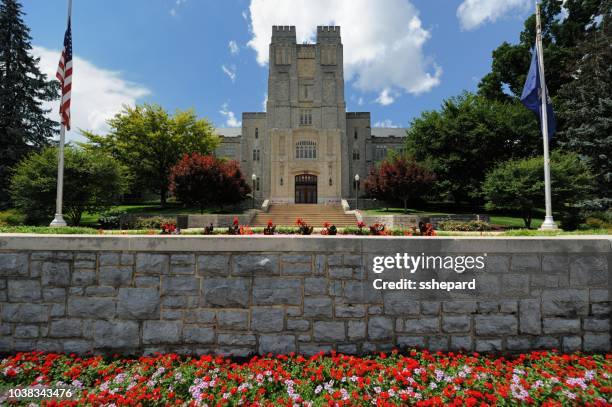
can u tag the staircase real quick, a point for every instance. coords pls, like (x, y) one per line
(313, 215)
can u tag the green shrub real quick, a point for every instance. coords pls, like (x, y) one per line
(153, 222)
(12, 217)
(459, 226)
(112, 220)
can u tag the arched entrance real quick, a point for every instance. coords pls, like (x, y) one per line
(306, 188)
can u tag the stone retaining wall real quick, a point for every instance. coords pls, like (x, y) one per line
(244, 295)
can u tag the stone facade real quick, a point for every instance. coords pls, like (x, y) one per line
(247, 295)
(306, 128)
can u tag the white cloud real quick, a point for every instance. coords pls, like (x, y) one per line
(177, 4)
(230, 117)
(385, 97)
(97, 94)
(360, 101)
(473, 13)
(264, 104)
(384, 51)
(233, 47)
(229, 71)
(245, 15)
(387, 123)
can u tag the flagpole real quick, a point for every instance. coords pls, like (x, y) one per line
(59, 221)
(549, 223)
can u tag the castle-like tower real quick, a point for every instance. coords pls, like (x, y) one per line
(306, 148)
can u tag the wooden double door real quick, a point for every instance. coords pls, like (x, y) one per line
(306, 189)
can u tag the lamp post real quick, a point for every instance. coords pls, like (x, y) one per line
(356, 191)
(253, 178)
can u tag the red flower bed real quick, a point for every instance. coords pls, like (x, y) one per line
(420, 378)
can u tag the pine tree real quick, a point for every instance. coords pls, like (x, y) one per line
(585, 105)
(24, 125)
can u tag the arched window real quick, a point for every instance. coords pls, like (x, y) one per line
(306, 150)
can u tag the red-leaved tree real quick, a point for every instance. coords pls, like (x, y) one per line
(205, 181)
(399, 178)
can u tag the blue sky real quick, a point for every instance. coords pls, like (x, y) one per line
(401, 56)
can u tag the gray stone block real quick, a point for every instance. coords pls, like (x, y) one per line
(66, 328)
(438, 343)
(349, 310)
(600, 309)
(213, 265)
(233, 319)
(411, 342)
(83, 278)
(226, 292)
(589, 271)
(299, 325)
(488, 345)
(199, 316)
(315, 286)
(418, 326)
(555, 263)
(515, 285)
(455, 324)
(57, 310)
(198, 334)
(171, 314)
(320, 268)
(461, 343)
(571, 343)
(146, 281)
(599, 295)
(13, 264)
(147, 263)
(138, 303)
(596, 324)
(353, 260)
(596, 342)
(78, 346)
(334, 260)
(180, 285)
(110, 259)
(430, 308)
(545, 342)
(25, 313)
(318, 307)
(488, 307)
(236, 339)
(100, 291)
(567, 302)
(90, 307)
(115, 276)
(348, 349)
(277, 344)
(26, 331)
(156, 332)
(116, 334)
(329, 331)
(340, 273)
(297, 269)
(525, 263)
(55, 274)
(496, 325)
(530, 316)
(380, 328)
(398, 303)
(182, 264)
(260, 264)
(561, 326)
(497, 264)
(275, 291)
(518, 343)
(356, 330)
(267, 319)
(23, 290)
(310, 349)
(459, 307)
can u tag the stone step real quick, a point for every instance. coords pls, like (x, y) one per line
(314, 215)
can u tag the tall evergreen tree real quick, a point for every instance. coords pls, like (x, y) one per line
(585, 105)
(24, 125)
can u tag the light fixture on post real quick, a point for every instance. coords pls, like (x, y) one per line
(356, 191)
(253, 178)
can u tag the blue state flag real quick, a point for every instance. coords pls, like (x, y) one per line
(532, 95)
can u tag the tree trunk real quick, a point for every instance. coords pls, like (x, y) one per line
(163, 197)
(405, 206)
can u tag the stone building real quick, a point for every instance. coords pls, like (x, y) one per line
(306, 148)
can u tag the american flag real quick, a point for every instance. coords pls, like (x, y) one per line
(64, 75)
